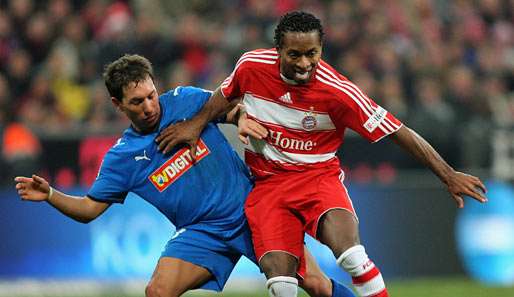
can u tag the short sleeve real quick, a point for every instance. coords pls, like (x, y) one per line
(183, 103)
(231, 88)
(355, 110)
(111, 184)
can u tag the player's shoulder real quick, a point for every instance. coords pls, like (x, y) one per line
(258, 58)
(326, 71)
(126, 145)
(333, 82)
(182, 92)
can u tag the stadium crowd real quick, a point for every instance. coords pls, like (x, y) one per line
(444, 67)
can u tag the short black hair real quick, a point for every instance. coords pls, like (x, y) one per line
(125, 70)
(297, 21)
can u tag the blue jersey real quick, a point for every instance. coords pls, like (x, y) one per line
(209, 194)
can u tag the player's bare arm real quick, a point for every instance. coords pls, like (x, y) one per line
(189, 131)
(458, 183)
(82, 209)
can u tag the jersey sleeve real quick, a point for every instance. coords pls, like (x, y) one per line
(111, 184)
(196, 98)
(231, 86)
(355, 110)
(183, 103)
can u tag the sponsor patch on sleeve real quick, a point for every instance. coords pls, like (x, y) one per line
(375, 119)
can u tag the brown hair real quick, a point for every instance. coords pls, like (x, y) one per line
(125, 70)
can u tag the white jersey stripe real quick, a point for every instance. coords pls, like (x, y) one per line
(253, 56)
(396, 126)
(365, 102)
(386, 122)
(257, 52)
(256, 60)
(348, 86)
(227, 81)
(272, 153)
(332, 77)
(360, 95)
(259, 57)
(347, 92)
(270, 112)
(333, 84)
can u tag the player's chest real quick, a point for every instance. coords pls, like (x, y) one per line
(298, 107)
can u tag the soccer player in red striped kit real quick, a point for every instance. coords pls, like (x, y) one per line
(298, 108)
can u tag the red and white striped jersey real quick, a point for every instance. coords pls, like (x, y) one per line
(306, 122)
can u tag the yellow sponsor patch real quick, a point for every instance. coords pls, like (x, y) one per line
(177, 165)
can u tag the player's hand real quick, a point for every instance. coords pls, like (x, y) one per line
(460, 184)
(33, 188)
(187, 132)
(247, 127)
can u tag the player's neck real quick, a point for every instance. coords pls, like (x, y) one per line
(287, 80)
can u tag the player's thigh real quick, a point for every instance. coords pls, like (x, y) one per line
(173, 277)
(338, 229)
(333, 220)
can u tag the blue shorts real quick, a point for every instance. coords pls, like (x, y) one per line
(208, 250)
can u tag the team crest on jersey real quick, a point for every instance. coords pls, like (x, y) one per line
(176, 166)
(309, 122)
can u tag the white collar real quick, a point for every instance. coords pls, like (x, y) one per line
(287, 80)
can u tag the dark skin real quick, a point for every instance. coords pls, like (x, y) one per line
(299, 55)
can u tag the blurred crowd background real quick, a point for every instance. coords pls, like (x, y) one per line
(446, 68)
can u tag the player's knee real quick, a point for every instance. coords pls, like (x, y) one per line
(338, 229)
(278, 264)
(282, 286)
(156, 289)
(316, 285)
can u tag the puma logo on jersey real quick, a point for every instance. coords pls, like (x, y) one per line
(176, 166)
(143, 157)
(286, 98)
(118, 143)
(178, 232)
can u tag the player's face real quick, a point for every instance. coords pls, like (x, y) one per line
(299, 55)
(141, 105)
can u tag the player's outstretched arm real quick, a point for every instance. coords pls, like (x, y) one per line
(36, 188)
(189, 131)
(458, 183)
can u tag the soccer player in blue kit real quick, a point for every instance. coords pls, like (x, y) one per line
(203, 198)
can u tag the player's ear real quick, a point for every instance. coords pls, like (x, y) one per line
(116, 102)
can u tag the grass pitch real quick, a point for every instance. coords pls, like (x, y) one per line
(429, 287)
